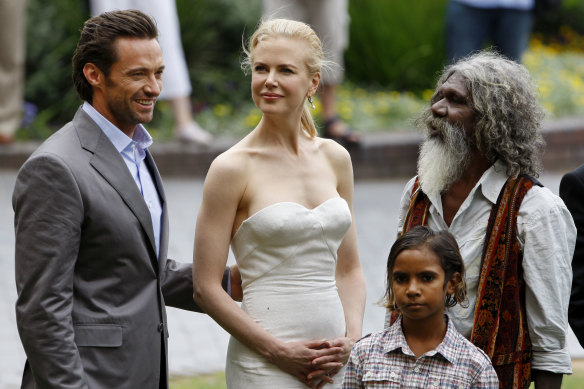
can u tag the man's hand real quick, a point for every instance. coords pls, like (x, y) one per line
(235, 276)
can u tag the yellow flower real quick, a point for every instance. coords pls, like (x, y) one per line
(220, 110)
(345, 111)
(368, 108)
(427, 94)
(253, 118)
(360, 92)
(549, 108)
(544, 90)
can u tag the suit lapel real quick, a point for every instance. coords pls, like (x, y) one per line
(164, 223)
(109, 163)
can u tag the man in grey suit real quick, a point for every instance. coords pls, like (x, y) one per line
(91, 225)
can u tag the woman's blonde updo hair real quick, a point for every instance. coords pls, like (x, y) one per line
(292, 29)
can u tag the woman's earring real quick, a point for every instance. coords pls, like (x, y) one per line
(311, 102)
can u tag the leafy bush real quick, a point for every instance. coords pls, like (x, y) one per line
(570, 16)
(212, 33)
(52, 34)
(397, 44)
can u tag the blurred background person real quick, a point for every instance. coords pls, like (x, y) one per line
(12, 55)
(572, 191)
(330, 19)
(470, 24)
(177, 86)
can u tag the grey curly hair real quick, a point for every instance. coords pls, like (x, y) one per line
(507, 112)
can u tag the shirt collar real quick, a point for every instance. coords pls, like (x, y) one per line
(493, 181)
(490, 184)
(446, 348)
(120, 140)
(396, 339)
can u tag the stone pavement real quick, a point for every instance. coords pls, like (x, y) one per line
(197, 344)
(381, 155)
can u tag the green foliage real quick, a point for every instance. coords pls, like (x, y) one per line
(560, 78)
(52, 34)
(570, 15)
(397, 44)
(212, 32)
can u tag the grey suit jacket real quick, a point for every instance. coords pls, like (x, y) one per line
(91, 291)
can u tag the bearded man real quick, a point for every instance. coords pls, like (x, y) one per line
(475, 178)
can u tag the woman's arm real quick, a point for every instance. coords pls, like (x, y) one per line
(223, 190)
(349, 274)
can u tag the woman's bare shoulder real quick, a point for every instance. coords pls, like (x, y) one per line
(336, 154)
(231, 164)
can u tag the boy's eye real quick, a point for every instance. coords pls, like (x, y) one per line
(259, 68)
(286, 70)
(427, 277)
(399, 278)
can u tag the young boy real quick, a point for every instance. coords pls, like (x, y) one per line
(422, 349)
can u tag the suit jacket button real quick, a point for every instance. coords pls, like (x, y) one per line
(160, 327)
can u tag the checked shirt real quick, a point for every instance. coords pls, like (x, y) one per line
(384, 360)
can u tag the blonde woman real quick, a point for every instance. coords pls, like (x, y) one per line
(282, 198)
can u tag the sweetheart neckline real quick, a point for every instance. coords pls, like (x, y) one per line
(284, 203)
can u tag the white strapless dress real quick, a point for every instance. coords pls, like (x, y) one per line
(287, 256)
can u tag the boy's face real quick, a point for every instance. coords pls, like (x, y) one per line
(418, 284)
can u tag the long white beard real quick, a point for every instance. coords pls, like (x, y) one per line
(443, 158)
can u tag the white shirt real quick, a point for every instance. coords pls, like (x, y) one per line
(547, 236)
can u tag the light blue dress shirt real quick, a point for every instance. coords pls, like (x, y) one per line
(133, 152)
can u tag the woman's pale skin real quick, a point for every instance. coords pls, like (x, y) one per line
(278, 162)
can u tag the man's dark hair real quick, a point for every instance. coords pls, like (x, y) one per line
(97, 43)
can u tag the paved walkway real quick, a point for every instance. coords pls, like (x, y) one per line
(197, 344)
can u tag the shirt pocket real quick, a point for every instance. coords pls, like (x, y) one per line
(448, 381)
(98, 335)
(374, 377)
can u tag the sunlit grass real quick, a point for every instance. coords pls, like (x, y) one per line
(217, 380)
(207, 381)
